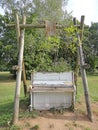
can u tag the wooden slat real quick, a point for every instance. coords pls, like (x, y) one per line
(53, 85)
(52, 90)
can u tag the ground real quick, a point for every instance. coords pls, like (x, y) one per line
(69, 120)
(47, 120)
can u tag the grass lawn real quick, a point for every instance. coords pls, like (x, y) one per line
(93, 87)
(7, 90)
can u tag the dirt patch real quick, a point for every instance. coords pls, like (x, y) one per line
(76, 120)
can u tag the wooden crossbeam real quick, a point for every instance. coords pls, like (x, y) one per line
(39, 26)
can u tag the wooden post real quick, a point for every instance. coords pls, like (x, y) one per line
(23, 65)
(17, 30)
(19, 72)
(76, 73)
(83, 72)
(24, 78)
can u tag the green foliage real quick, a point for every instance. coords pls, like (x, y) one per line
(40, 53)
(61, 66)
(45, 54)
(44, 9)
(15, 127)
(25, 113)
(50, 10)
(4, 119)
(36, 127)
(68, 46)
(90, 46)
(96, 62)
(8, 45)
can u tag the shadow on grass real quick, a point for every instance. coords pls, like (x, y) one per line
(6, 77)
(5, 108)
(92, 74)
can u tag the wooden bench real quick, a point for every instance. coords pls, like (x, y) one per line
(51, 90)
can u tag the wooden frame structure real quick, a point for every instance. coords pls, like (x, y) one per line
(20, 29)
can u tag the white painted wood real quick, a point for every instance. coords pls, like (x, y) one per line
(45, 76)
(64, 76)
(45, 101)
(52, 90)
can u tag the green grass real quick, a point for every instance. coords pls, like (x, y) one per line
(7, 92)
(6, 76)
(92, 87)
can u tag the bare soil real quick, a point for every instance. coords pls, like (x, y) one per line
(69, 120)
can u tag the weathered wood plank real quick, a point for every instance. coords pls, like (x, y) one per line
(38, 26)
(45, 89)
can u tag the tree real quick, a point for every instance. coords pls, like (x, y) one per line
(94, 38)
(20, 6)
(8, 44)
(43, 8)
(50, 9)
(94, 44)
(90, 46)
